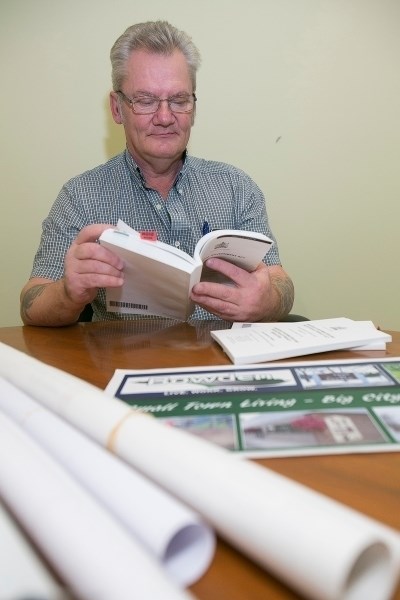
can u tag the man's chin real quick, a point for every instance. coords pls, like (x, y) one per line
(167, 151)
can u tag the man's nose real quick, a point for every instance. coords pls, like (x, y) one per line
(163, 112)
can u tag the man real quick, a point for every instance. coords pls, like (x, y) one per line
(154, 185)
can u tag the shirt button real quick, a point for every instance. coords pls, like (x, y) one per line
(177, 244)
(158, 206)
(180, 191)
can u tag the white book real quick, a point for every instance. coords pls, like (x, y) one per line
(159, 277)
(379, 344)
(261, 342)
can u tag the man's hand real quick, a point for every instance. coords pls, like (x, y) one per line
(266, 294)
(87, 267)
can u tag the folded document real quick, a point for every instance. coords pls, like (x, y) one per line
(247, 343)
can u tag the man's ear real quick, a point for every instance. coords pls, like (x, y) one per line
(116, 109)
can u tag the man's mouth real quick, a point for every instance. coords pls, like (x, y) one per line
(163, 133)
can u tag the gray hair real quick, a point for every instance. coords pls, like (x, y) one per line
(158, 37)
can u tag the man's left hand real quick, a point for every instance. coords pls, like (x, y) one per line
(251, 297)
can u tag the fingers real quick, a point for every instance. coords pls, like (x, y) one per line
(90, 257)
(91, 233)
(89, 266)
(243, 301)
(236, 274)
(85, 248)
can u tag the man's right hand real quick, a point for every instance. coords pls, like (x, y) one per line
(88, 266)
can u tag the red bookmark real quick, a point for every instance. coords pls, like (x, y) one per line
(150, 236)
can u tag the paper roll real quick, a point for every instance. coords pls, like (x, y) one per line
(22, 572)
(319, 547)
(89, 549)
(173, 533)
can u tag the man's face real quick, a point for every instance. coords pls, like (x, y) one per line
(159, 138)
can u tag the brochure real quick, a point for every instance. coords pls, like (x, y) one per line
(285, 409)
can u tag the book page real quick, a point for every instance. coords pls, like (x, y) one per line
(242, 248)
(117, 241)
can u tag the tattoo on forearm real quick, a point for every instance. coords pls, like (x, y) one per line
(30, 296)
(285, 289)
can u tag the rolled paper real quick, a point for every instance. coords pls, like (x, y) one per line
(23, 573)
(87, 547)
(319, 547)
(168, 528)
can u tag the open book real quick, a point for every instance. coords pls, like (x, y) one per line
(247, 343)
(159, 277)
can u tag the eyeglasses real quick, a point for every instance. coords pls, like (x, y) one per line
(147, 104)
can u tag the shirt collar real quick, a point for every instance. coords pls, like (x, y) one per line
(137, 174)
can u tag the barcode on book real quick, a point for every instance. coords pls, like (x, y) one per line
(118, 304)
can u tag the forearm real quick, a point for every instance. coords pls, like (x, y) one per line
(45, 302)
(281, 300)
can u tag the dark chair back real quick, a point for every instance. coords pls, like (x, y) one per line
(87, 314)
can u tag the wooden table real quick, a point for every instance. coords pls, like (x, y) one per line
(368, 482)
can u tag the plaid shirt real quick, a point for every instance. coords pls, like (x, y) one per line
(205, 191)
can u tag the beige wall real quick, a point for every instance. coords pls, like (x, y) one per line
(302, 94)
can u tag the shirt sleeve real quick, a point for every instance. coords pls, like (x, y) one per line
(59, 229)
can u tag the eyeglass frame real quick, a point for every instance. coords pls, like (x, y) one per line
(131, 102)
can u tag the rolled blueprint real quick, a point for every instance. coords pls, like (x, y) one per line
(318, 546)
(22, 572)
(87, 547)
(168, 528)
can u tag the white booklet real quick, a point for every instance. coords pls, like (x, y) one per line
(159, 277)
(252, 343)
